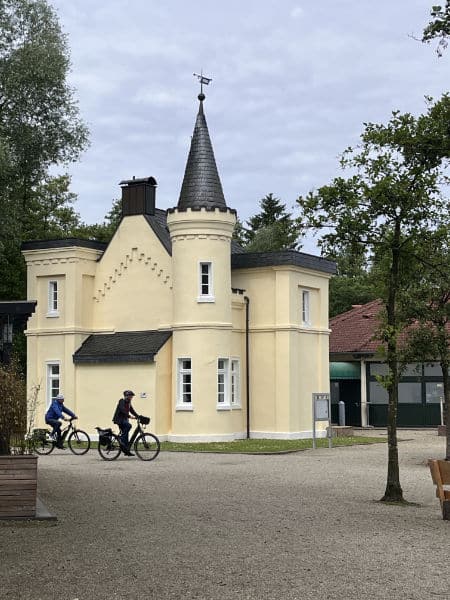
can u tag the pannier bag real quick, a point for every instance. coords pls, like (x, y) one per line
(104, 436)
(144, 420)
(40, 434)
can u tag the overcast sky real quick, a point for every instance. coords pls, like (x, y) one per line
(292, 84)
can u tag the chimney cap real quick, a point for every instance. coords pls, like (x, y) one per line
(134, 181)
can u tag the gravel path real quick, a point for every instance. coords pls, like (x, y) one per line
(305, 525)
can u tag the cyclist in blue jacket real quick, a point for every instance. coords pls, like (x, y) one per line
(53, 416)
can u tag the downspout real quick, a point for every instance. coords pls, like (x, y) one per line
(247, 362)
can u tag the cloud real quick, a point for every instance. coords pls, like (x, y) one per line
(297, 12)
(291, 89)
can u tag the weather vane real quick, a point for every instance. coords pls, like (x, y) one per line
(203, 81)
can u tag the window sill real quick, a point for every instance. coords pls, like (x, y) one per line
(223, 407)
(52, 315)
(206, 298)
(184, 407)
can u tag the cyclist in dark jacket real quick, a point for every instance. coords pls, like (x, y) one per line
(53, 416)
(121, 418)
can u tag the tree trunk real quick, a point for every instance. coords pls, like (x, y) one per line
(393, 492)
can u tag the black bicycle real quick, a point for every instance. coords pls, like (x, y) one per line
(146, 445)
(44, 440)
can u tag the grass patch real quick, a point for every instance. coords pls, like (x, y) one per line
(265, 446)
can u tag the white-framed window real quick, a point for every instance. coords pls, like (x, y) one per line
(235, 382)
(53, 380)
(205, 282)
(223, 388)
(53, 299)
(184, 377)
(306, 308)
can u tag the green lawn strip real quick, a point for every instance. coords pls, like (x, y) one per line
(266, 446)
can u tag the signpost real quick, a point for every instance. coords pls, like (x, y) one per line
(321, 410)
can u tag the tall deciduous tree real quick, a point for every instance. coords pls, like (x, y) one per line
(40, 124)
(392, 198)
(271, 229)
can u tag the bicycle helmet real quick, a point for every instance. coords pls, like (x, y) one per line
(59, 397)
(128, 393)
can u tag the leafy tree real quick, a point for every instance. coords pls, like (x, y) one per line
(392, 198)
(49, 215)
(239, 233)
(354, 282)
(271, 229)
(428, 301)
(438, 27)
(13, 406)
(104, 231)
(39, 126)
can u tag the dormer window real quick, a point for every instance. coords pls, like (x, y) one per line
(205, 292)
(53, 299)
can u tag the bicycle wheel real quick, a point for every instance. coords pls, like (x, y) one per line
(111, 451)
(79, 442)
(43, 444)
(147, 446)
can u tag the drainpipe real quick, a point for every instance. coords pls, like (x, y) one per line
(247, 362)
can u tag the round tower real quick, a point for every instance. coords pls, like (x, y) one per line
(201, 228)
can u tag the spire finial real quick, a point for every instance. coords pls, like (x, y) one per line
(203, 81)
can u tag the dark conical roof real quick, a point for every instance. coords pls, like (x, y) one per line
(201, 184)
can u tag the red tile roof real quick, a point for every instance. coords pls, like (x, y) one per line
(353, 330)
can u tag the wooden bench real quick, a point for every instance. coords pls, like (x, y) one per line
(440, 473)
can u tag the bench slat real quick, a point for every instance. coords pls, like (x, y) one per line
(440, 474)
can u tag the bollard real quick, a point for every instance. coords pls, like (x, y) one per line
(342, 413)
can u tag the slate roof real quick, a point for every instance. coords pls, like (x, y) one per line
(249, 260)
(158, 222)
(352, 331)
(18, 307)
(124, 346)
(201, 184)
(63, 243)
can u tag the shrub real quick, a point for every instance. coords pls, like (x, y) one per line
(13, 410)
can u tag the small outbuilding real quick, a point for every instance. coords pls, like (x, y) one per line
(354, 365)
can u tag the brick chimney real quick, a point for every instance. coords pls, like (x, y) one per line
(138, 196)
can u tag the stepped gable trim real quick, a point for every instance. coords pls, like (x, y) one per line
(124, 346)
(135, 255)
(253, 260)
(63, 243)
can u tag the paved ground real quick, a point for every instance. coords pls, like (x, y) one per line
(294, 526)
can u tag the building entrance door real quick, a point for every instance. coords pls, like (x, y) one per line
(350, 393)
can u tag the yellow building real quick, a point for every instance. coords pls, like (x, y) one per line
(217, 343)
